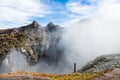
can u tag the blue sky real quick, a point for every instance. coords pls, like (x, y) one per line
(15, 13)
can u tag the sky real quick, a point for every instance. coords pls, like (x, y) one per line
(15, 13)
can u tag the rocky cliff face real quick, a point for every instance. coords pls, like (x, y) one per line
(34, 41)
(102, 63)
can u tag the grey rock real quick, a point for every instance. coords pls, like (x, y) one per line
(102, 63)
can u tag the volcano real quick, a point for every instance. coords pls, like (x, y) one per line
(30, 45)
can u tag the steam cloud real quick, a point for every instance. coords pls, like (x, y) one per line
(17, 61)
(94, 36)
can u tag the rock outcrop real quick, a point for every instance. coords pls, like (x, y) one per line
(102, 63)
(110, 75)
(33, 40)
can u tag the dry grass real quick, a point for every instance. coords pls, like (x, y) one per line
(72, 76)
(76, 76)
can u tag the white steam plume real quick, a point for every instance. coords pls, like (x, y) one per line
(17, 61)
(94, 36)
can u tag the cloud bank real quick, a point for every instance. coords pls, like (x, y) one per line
(95, 35)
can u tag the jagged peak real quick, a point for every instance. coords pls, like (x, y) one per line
(35, 24)
(51, 26)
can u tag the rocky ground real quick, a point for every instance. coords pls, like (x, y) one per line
(111, 75)
(102, 63)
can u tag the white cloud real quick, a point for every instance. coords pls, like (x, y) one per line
(109, 7)
(79, 8)
(101, 8)
(17, 12)
(82, 11)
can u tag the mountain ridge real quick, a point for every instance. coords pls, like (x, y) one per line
(32, 39)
